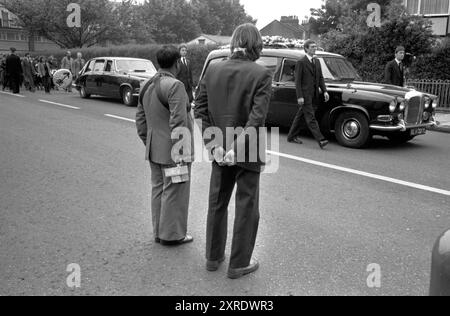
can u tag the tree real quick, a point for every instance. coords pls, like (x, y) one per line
(132, 25)
(220, 17)
(99, 23)
(337, 14)
(30, 14)
(173, 20)
(369, 49)
(48, 18)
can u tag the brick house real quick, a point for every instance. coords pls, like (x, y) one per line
(13, 35)
(287, 27)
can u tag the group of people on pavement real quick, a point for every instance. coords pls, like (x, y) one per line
(35, 73)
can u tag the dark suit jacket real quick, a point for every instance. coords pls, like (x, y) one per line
(309, 79)
(393, 75)
(13, 66)
(236, 94)
(155, 123)
(185, 76)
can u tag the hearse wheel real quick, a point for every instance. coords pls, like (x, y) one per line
(127, 97)
(352, 129)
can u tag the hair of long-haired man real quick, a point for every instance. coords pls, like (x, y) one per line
(248, 38)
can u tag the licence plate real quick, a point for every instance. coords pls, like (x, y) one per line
(418, 131)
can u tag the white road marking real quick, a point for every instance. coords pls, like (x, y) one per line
(338, 168)
(120, 118)
(14, 95)
(362, 173)
(59, 104)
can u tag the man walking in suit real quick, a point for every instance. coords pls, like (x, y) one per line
(14, 71)
(309, 84)
(235, 94)
(394, 73)
(185, 72)
(162, 112)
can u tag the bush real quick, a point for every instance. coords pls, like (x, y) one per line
(197, 54)
(370, 50)
(435, 65)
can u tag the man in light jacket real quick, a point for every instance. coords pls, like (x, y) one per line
(163, 112)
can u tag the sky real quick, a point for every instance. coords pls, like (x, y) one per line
(265, 11)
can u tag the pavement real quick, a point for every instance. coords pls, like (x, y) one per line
(443, 120)
(75, 189)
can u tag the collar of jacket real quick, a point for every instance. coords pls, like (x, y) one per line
(165, 73)
(239, 56)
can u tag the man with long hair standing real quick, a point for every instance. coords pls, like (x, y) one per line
(235, 94)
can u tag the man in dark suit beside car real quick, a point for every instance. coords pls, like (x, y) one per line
(310, 84)
(185, 72)
(14, 71)
(394, 73)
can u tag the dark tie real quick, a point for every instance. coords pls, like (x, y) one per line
(400, 65)
(313, 61)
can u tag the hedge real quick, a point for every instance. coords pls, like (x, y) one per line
(197, 54)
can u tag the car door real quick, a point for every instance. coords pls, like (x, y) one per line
(274, 65)
(108, 78)
(95, 79)
(283, 105)
(285, 94)
(87, 79)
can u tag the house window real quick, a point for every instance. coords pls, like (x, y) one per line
(201, 41)
(428, 7)
(4, 19)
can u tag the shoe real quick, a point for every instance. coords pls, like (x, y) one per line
(323, 143)
(239, 273)
(213, 266)
(295, 140)
(186, 240)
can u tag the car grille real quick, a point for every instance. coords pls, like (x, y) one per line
(414, 110)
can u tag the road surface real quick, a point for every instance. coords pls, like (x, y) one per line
(75, 189)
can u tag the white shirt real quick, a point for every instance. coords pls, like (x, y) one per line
(310, 58)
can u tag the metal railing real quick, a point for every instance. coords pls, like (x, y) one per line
(440, 88)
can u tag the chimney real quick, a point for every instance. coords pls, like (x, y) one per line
(291, 20)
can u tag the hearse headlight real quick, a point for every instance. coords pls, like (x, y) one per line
(427, 103)
(393, 106)
(402, 106)
(435, 104)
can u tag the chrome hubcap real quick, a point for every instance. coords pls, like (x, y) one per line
(351, 129)
(127, 96)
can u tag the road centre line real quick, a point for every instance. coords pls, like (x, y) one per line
(342, 169)
(120, 118)
(362, 173)
(60, 104)
(12, 94)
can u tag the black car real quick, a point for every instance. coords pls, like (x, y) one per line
(356, 111)
(115, 77)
